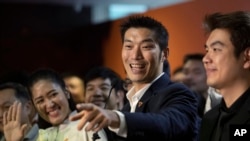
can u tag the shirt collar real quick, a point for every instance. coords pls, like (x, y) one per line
(237, 104)
(131, 93)
(33, 133)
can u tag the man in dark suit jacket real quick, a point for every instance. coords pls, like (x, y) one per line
(227, 64)
(158, 109)
(166, 111)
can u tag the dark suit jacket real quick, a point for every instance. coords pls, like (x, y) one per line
(167, 111)
(209, 121)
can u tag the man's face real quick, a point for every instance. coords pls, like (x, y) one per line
(97, 91)
(6, 100)
(222, 67)
(178, 77)
(141, 55)
(195, 76)
(76, 88)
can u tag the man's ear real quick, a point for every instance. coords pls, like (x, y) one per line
(67, 93)
(31, 111)
(247, 58)
(165, 54)
(28, 107)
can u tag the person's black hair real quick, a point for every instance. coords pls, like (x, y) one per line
(141, 21)
(194, 56)
(21, 92)
(177, 70)
(72, 74)
(101, 72)
(53, 76)
(237, 23)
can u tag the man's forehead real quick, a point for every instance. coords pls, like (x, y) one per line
(7, 96)
(100, 80)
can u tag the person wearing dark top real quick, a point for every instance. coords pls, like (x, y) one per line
(227, 64)
(158, 109)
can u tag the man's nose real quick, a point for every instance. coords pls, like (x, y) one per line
(136, 53)
(98, 92)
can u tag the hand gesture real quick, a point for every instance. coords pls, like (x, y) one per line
(13, 128)
(96, 117)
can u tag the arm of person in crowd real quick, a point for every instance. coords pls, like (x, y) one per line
(95, 117)
(14, 130)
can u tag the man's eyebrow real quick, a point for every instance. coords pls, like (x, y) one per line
(105, 84)
(148, 40)
(214, 43)
(127, 40)
(145, 40)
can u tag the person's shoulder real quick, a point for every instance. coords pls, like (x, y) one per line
(45, 131)
(175, 91)
(43, 134)
(177, 87)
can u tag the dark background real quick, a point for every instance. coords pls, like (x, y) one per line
(55, 36)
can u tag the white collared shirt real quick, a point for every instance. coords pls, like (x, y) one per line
(133, 97)
(213, 97)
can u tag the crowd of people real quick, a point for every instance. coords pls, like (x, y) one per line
(199, 101)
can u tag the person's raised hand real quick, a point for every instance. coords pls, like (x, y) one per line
(14, 130)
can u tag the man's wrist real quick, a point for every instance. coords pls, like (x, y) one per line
(115, 120)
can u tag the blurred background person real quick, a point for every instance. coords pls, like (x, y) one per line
(127, 84)
(101, 85)
(19, 77)
(15, 92)
(121, 90)
(105, 88)
(177, 75)
(195, 78)
(75, 85)
(195, 74)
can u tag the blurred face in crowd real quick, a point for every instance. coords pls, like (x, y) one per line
(7, 99)
(195, 76)
(178, 77)
(76, 87)
(97, 91)
(50, 101)
(141, 55)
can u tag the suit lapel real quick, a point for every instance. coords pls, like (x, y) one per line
(152, 90)
(126, 108)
